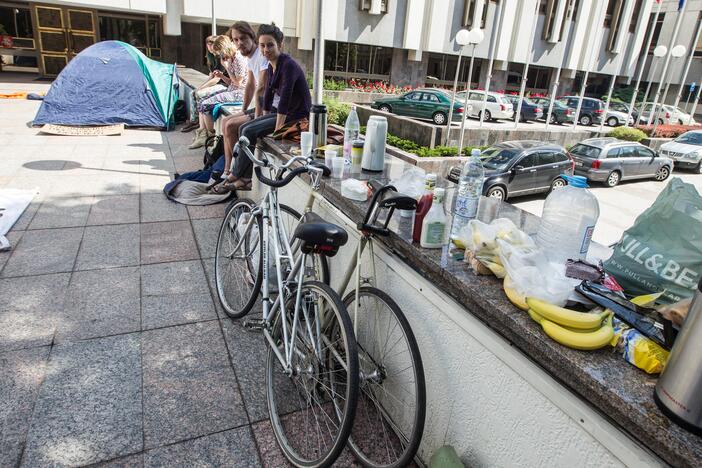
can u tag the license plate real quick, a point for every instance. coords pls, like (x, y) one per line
(578, 163)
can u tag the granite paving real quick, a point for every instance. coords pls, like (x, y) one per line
(114, 350)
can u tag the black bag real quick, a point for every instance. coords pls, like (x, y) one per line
(180, 113)
(214, 148)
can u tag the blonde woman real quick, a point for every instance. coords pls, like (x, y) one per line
(235, 64)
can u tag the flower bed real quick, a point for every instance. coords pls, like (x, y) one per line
(668, 131)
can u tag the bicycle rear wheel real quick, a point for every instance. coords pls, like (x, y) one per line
(312, 405)
(392, 401)
(237, 275)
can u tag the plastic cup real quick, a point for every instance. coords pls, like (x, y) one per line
(329, 156)
(337, 167)
(306, 141)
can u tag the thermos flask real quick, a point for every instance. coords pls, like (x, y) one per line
(318, 125)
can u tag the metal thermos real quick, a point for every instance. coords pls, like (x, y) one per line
(374, 146)
(318, 125)
(679, 389)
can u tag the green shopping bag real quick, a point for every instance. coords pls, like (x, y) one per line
(662, 251)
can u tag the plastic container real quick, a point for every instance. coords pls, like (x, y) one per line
(329, 156)
(470, 188)
(352, 128)
(337, 167)
(568, 221)
(423, 206)
(356, 155)
(434, 223)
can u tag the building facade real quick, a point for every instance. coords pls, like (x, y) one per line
(405, 42)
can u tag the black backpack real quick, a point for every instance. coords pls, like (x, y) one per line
(180, 113)
(214, 148)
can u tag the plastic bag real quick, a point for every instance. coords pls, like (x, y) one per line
(532, 275)
(411, 182)
(662, 251)
(354, 189)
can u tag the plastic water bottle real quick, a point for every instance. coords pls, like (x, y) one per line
(352, 128)
(568, 221)
(470, 188)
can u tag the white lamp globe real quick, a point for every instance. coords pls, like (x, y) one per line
(678, 51)
(476, 36)
(660, 51)
(463, 37)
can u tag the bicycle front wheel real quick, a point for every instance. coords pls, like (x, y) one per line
(312, 402)
(237, 275)
(392, 402)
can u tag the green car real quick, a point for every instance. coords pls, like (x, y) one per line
(432, 104)
(561, 112)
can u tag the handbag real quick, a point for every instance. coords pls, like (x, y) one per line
(291, 130)
(214, 148)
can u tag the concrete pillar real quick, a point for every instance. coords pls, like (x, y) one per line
(304, 57)
(566, 86)
(499, 80)
(406, 72)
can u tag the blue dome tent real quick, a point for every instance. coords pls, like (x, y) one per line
(108, 83)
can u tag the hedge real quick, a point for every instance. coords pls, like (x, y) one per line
(627, 133)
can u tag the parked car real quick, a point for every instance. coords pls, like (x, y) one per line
(516, 168)
(496, 107)
(591, 111)
(561, 112)
(623, 107)
(610, 160)
(666, 114)
(430, 104)
(685, 150)
(616, 118)
(529, 111)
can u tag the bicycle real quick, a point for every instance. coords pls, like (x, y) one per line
(392, 399)
(312, 362)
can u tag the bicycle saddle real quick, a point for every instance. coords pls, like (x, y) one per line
(319, 236)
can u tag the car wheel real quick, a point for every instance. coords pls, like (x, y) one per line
(698, 169)
(660, 122)
(558, 183)
(439, 118)
(613, 179)
(488, 116)
(680, 122)
(384, 108)
(497, 192)
(612, 121)
(553, 120)
(662, 173)
(585, 120)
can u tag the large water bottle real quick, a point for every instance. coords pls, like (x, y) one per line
(352, 128)
(568, 221)
(470, 187)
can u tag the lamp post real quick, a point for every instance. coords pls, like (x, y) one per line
(570, 9)
(476, 37)
(643, 64)
(676, 52)
(214, 19)
(525, 74)
(658, 52)
(496, 29)
(462, 39)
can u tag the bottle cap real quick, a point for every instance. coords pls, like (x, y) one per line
(438, 195)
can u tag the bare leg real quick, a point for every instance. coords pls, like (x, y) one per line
(209, 123)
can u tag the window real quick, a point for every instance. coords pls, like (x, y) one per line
(556, 13)
(613, 153)
(645, 153)
(346, 60)
(414, 96)
(656, 30)
(698, 46)
(528, 161)
(430, 97)
(17, 22)
(538, 77)
(475, 96)
(627, 152)
(469, 12)
(585, 151)
(547, 158)
(638, 5)
(373, 5)
(560, 157)
(143, 32)
(441, 69)
(613, 19)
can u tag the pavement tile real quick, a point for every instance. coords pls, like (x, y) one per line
(23, 222)
(183, 165)
(156, 207)
(167, 242)
(44, 251)
(114, 209)
(164, 311)
(22, 372)
(229, 448)
(109, 246)
(210, 274)
(29, 319)
(206, 232)
(207, 211)
(189, 387)
(173, 278)
(130, 461)
(14, 237)
(89, 408)
(62, 212)
(101, 303)
(248, 353)
(153, 183)
(271, 455)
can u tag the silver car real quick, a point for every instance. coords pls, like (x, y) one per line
(685, 150)
(611, 160)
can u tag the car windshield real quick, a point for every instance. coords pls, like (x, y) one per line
(690, 138)
(585, 151)
(498, 158)
(562, 102)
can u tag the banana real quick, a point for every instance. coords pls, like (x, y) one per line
(576, 339)
(566, 317)
(513, 296)
(538, 318)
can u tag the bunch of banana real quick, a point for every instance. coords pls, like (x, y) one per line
(578, 330)
(514, 297)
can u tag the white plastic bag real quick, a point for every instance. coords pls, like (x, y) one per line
(533, 275)
(354, 189)
(410, 183)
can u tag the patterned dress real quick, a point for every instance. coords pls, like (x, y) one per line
(234, 93)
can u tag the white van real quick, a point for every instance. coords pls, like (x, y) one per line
(497, 105)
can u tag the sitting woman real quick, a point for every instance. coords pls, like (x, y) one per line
(286, 99)
(212, 86)
(235, 64)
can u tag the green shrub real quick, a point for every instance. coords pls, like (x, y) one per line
(627, 133)
(337, 112)
(335, 85)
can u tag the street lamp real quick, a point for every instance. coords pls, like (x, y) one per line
(462, 39)
(676, 52)
(658, 52)
(475, 37)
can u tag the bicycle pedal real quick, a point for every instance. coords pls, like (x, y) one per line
(254, 324)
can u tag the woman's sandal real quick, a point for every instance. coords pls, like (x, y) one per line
(230, 186)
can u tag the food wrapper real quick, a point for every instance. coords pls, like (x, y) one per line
(638, 350)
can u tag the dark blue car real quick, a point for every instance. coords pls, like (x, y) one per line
(530, 110)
